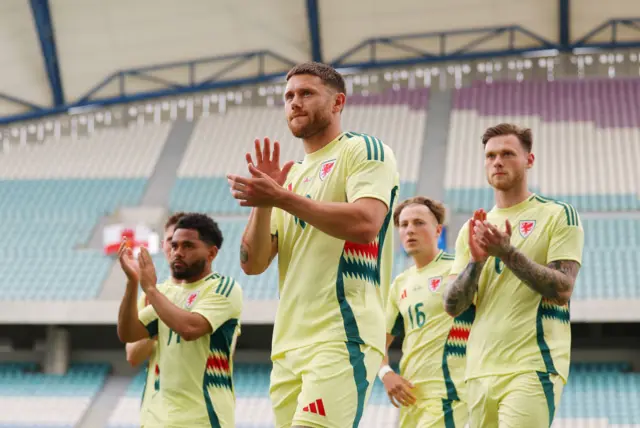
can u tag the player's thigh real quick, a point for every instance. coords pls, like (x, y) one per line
(481, 403)
(435, 413)
(530, 400)
(284, 390)
(336, 385)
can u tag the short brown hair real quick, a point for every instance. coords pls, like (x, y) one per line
(174, 219)
(326, 73)
(522, 134)
(437, 208)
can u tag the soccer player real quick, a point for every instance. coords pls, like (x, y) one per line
(196, 325)
(519, 262)
(327, 218)
(430, 386)
(146, 349)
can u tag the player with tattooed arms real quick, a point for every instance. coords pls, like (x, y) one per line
(518, 263)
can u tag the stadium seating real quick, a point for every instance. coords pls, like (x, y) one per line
(51, 197)
(30, 399)
(597, 395)
(586, 140)
(600, 392)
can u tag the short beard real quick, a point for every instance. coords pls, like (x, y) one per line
(194, 270)
(319, 124)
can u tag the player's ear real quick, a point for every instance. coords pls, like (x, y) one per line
(439, 230)
(530, 160)
(213, 252)
(339, 102)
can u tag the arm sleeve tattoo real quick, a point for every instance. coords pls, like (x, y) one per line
(554, 281)
(458, 295)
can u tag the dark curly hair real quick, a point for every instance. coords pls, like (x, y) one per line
(208, 230)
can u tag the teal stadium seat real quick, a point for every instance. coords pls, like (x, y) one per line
(46, 223)
(602, 391)
(31, 399)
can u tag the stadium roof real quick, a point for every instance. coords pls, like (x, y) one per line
(54, 53)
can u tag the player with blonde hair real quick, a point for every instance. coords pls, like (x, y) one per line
(430, 388)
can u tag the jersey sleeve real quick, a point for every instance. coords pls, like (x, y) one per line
(276, 214)
(394, 320)
(567, 236)
(463, 255)
(149, 318)
(220, 303)
(371, 170)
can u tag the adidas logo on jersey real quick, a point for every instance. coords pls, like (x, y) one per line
(317, 408)
(526, 227)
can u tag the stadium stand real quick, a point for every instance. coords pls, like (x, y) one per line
(51, 197)
(597, 395)
(32, 399)
(51, 211)
(586, 139)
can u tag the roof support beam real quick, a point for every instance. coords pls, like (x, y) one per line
(313, 16)
(564, 18)
(42, 20)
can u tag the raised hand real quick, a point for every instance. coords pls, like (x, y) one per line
(148, 278)
(267, 163)
(260, 190)
(496, 242)
(398, 390)
(128, 263)
(476, 246)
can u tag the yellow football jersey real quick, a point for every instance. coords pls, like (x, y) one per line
(331, 289)
(151, 410)
(196, 385)
(434, 345)
(516, 329)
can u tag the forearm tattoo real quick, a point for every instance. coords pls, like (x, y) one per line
(551, 281)
(458, 295)
(244, 253)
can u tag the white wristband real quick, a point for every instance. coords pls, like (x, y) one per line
(383, 371)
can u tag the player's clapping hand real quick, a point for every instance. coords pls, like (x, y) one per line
(476, 246)
(264, 186)
(496, 242)
(128, 263)
(268, 163)
(148, 278)
(398, 390)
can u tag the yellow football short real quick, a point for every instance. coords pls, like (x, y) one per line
(434, 413)
(324, 385)
(521, 400)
